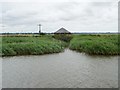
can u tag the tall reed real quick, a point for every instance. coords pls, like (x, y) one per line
(96, 44)
(31, 45)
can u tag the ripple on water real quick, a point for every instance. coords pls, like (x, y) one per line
(66, 69)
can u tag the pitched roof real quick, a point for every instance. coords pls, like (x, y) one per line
(62, 30)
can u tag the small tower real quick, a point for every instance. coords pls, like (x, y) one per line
(39, 28)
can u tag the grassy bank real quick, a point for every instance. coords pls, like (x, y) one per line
(38, 45)
(96, 44)
(30, 45)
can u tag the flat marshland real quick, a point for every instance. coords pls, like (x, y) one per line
(96, 44)
(68, 69)
(30, 45)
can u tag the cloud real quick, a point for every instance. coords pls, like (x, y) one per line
(76, 16)
(59, 1)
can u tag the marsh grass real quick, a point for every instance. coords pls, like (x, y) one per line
(63, 37)
(38, 45)
(96, 44)
(31, 45)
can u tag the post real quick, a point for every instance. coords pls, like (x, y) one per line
(39, 28)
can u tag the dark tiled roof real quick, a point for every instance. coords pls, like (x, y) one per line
(62, 30)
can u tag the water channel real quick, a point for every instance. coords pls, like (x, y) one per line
(68, 69)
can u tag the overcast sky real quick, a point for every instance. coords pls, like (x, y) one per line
(74, 15)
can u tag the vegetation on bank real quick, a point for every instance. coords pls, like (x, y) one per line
(46, 44)
(96, 44)
(30, 45)
(63, 37)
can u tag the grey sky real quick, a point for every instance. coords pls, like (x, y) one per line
(73, 15)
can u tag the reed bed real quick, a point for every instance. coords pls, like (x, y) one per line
(30, 45)
(96, 44)
(38, 45)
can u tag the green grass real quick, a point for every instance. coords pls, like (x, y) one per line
(96, 44)
(38, 45)
(30, 45)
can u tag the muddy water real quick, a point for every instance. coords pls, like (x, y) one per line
(68, 69)
(0, 73)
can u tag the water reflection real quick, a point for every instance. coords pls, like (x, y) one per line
(68, 69)
(0, 73)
